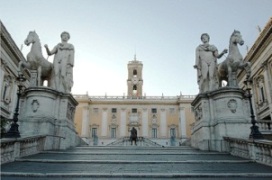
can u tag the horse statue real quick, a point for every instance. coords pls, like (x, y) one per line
(227, 70)
(36, 61)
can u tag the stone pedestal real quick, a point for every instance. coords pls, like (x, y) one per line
(45, 111)
(33, 78)
(219, 113)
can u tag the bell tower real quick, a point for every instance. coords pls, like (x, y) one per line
(135, 80)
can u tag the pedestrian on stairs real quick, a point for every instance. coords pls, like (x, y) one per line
(133, 136)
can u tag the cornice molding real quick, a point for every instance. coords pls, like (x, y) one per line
(6, 37)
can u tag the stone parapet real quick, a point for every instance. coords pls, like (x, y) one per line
(20, 147)
(257, 150)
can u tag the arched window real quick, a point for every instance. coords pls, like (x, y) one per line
(134, 72)
(134, 90)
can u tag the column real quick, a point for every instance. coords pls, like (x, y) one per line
(123, 122)
(2, 73)
(163, 124)
(85, 122)
(182, 122)
(104, 122)
(267, 81)
(145, 123)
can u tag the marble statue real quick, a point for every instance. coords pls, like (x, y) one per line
(63, 64)
(227, 70)
(206, 64)
(36, 61)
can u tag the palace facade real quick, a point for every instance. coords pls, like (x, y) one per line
(260, 57)
(164, 120)
(9, 60)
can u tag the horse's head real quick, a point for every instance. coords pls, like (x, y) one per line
(31, 38)
(236, 38)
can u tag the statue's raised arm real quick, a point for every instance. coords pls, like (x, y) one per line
(63, 63)
(206, 64)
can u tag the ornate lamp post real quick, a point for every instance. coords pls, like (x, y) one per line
(255, 133)
(13, 131)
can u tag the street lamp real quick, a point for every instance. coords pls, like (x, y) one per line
(255, 133)
(13, 131)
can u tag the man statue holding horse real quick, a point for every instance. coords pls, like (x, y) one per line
(206, 64)
(133, 136)
(63, 64)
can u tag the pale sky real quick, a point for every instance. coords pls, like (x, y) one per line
(107, 33)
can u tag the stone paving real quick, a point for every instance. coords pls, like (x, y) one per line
(133, 163)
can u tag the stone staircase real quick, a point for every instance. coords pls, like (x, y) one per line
(141, 141)
(133, 162)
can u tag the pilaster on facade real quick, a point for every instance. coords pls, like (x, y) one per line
(145, 123)
(10, 58)
(182, 122)
(85, 122)
(104, 124)
(123, 122)
(267, 66)
(163, 123)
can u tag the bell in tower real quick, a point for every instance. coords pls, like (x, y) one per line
(135, 81)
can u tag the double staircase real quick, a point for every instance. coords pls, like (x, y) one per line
(133, 162)
(141, 141)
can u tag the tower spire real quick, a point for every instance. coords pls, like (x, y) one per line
(135, 59)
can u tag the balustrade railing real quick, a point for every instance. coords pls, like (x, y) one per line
(257, 150)
(15, 148)
(264, 125)
(141, 141)
(181, 97)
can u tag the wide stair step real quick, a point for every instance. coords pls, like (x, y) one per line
(133, 162)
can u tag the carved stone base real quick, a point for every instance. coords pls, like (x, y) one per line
(45, 111)
(33, 78)
(219, 113)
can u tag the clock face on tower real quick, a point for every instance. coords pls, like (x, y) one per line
(134, 80)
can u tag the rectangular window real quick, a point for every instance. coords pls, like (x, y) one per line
(4, 93)
(154, 132)
(262, 94)
(172, 132)
(113, 132)
(172, 110)
(154, 110)
(114, 110)
(94, 132)
(95, 110)
(134, 110)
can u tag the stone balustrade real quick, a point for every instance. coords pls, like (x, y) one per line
(257, 150)
(181, 97)
(20, 147)
(141, 141)
(265, 125)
